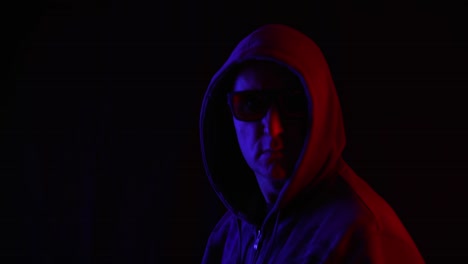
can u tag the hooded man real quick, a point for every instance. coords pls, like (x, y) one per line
(272, 137)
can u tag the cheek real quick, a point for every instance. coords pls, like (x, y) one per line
(247, 136)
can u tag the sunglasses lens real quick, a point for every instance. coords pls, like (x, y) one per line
(249, 105)
(253, 105)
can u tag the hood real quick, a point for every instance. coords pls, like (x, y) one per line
(229, 175)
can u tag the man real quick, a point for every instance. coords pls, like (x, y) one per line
(272, 137)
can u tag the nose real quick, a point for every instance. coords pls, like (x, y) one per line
(272, 122)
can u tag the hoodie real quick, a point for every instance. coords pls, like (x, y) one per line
(324, 213)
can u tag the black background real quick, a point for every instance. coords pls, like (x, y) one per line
(100, 154)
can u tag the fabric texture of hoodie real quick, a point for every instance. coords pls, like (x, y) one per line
(325, 213)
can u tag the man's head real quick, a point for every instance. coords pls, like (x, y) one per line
(270, 115)
(308, 143)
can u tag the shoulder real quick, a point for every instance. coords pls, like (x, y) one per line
(225, 225)
(339, 223)
(372, 228)
(222, 241)
(349, 204)
(372, 208)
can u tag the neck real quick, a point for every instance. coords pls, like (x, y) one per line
(270, 189)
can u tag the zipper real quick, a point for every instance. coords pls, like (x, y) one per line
(257, 239)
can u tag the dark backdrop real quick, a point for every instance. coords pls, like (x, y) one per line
(100, 158)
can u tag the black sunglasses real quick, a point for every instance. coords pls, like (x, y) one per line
(253, 105)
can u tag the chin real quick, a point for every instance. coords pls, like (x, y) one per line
(277, 173)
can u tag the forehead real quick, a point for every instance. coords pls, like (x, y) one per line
(261, 75)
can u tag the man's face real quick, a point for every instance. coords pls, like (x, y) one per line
(271, 139)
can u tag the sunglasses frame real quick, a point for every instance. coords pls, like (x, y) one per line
(271, 97)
